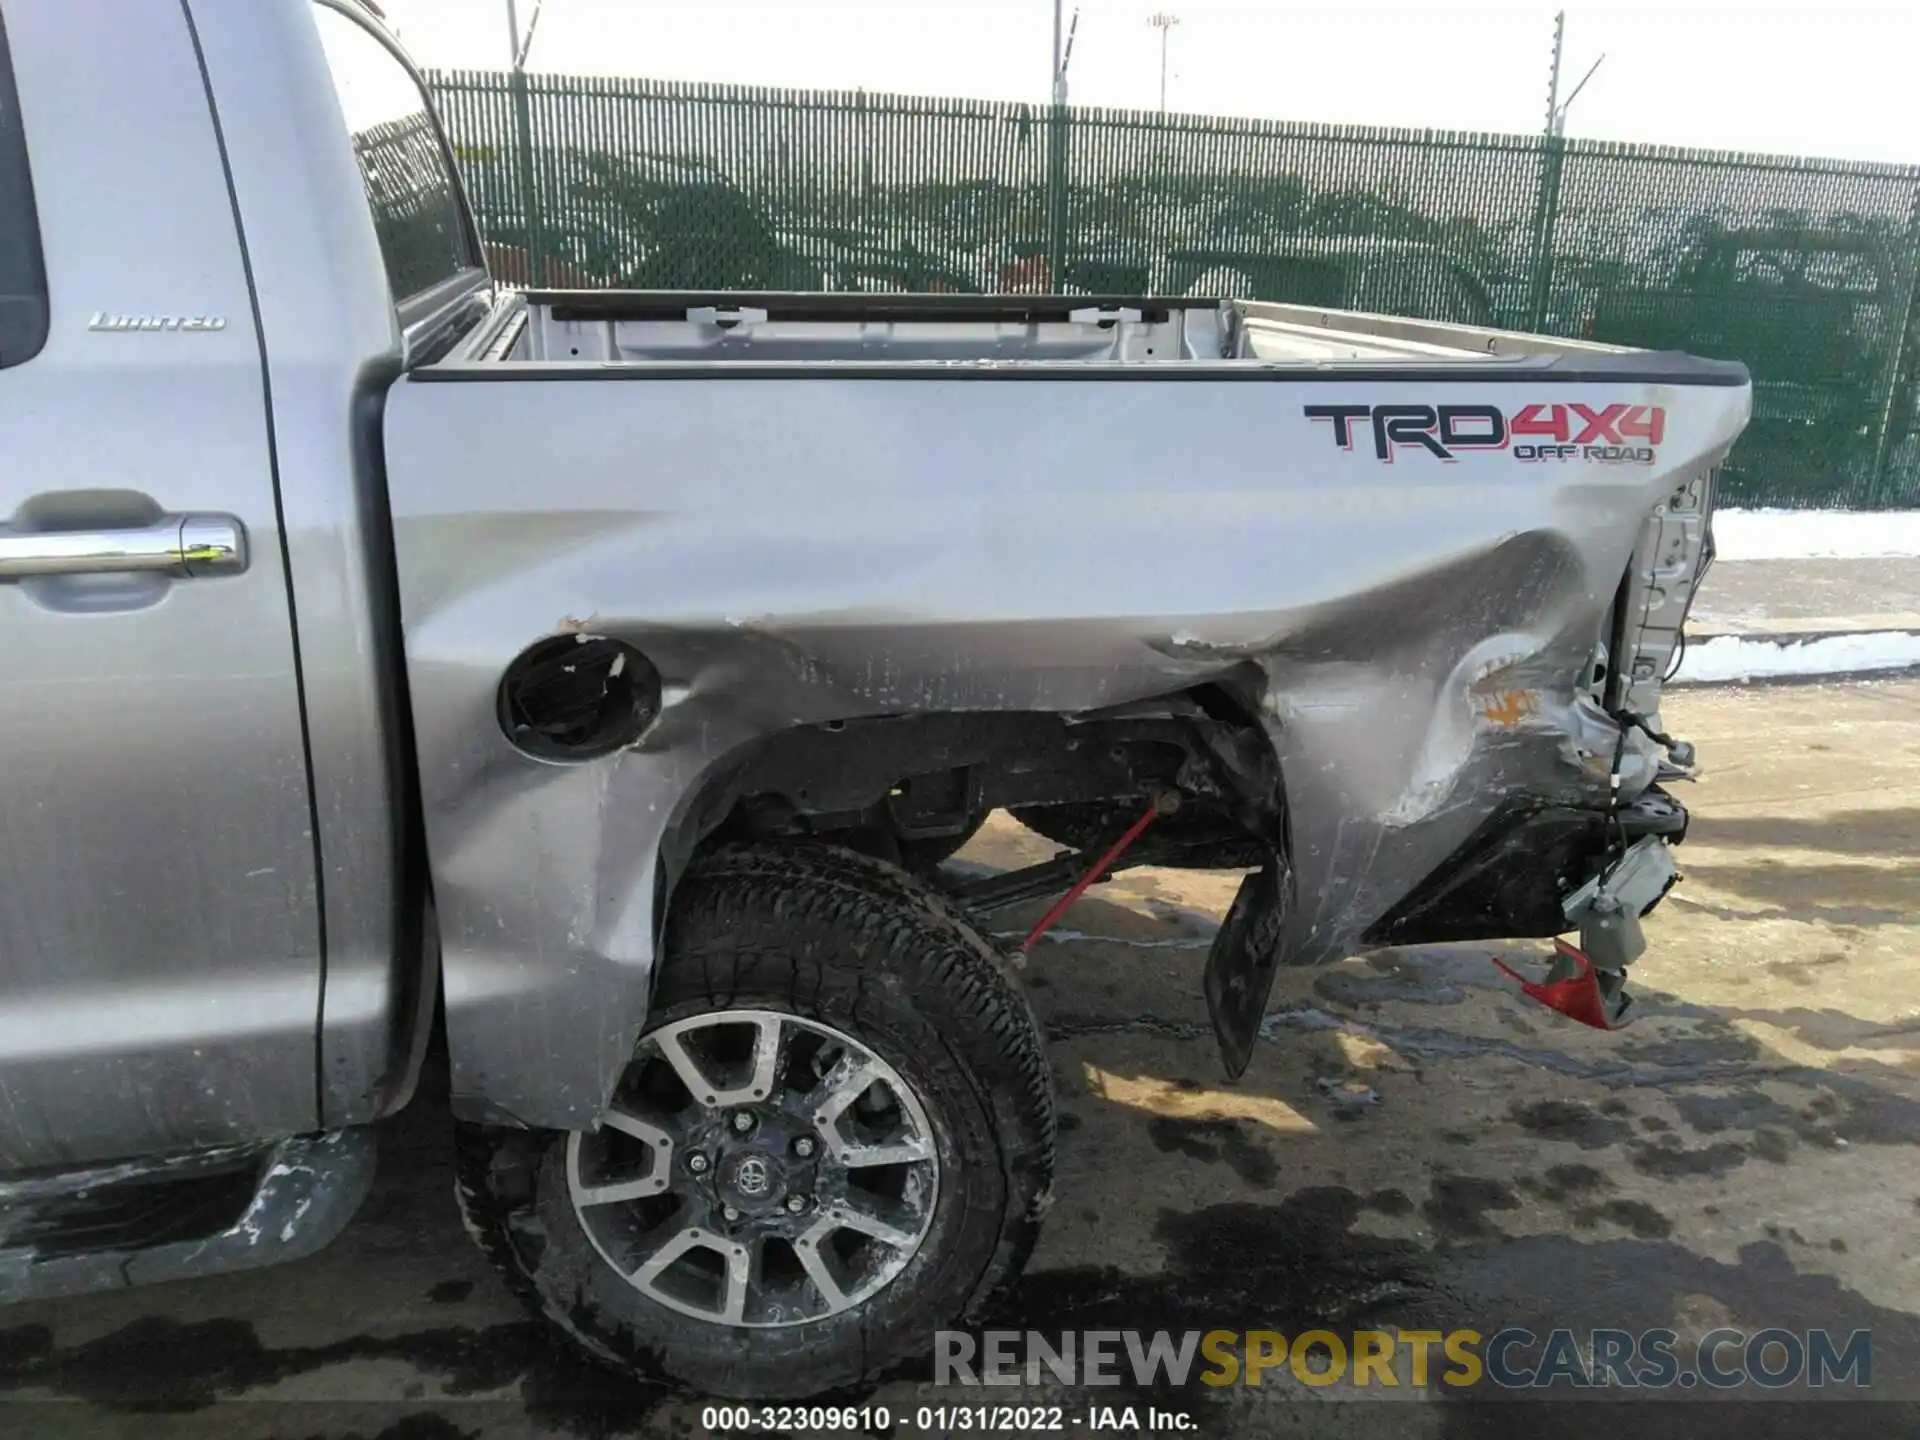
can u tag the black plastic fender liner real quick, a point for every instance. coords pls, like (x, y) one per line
(1245, 958)
(1507, 880)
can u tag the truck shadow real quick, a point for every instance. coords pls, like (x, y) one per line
(1893, 831)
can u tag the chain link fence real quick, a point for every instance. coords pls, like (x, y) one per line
(1807, 270)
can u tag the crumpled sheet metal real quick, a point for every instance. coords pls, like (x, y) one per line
(795, 552)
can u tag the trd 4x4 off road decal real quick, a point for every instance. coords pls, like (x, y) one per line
(1611, 434)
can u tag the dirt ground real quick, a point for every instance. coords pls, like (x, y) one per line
(1415, 1146)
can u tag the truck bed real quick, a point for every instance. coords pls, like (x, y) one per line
(1439, 557)
(646, 328)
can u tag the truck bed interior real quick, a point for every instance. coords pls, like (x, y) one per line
(649, 328)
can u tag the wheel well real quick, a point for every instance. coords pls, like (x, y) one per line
(874, 783)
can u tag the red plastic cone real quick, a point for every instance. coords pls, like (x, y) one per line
(1577, 997)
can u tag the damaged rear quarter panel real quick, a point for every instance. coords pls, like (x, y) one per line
(794, 550)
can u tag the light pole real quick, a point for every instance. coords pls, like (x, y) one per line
(1062, 50)
(529, 196)
(1057, 147)
(1059, 79)
(1553, 74)
(517, 44)
(1556, 108)
(1164, 22)
(1552, 161)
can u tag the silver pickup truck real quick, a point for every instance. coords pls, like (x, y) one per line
(612, 673)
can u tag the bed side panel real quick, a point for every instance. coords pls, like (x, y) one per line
(806, 549)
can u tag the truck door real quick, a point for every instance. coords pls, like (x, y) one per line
(160, 946)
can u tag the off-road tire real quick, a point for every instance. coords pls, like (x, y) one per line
(858, 944)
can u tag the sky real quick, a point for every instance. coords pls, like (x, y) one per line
(1790, 77)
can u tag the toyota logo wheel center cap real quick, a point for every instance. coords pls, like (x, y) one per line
(753, 1180)
(754, 1177)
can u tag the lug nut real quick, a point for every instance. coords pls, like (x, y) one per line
(796, 1203)
(803, 1147)
(697, 1163)
(742, 1121)
(727, 1212)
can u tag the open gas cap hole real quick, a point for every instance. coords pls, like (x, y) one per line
(575, 697)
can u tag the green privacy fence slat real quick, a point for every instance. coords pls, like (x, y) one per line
(1808, 270)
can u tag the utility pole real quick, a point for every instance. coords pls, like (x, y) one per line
(1164, 22)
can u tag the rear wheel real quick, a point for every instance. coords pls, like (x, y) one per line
(834, 1139)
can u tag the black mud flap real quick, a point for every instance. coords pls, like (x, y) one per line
(1242, 962)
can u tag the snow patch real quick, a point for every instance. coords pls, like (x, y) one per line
(1726, 658)
(1815, 534)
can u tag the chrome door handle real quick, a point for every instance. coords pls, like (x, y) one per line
(184, 545)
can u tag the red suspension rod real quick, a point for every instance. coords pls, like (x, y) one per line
(1163, 803)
